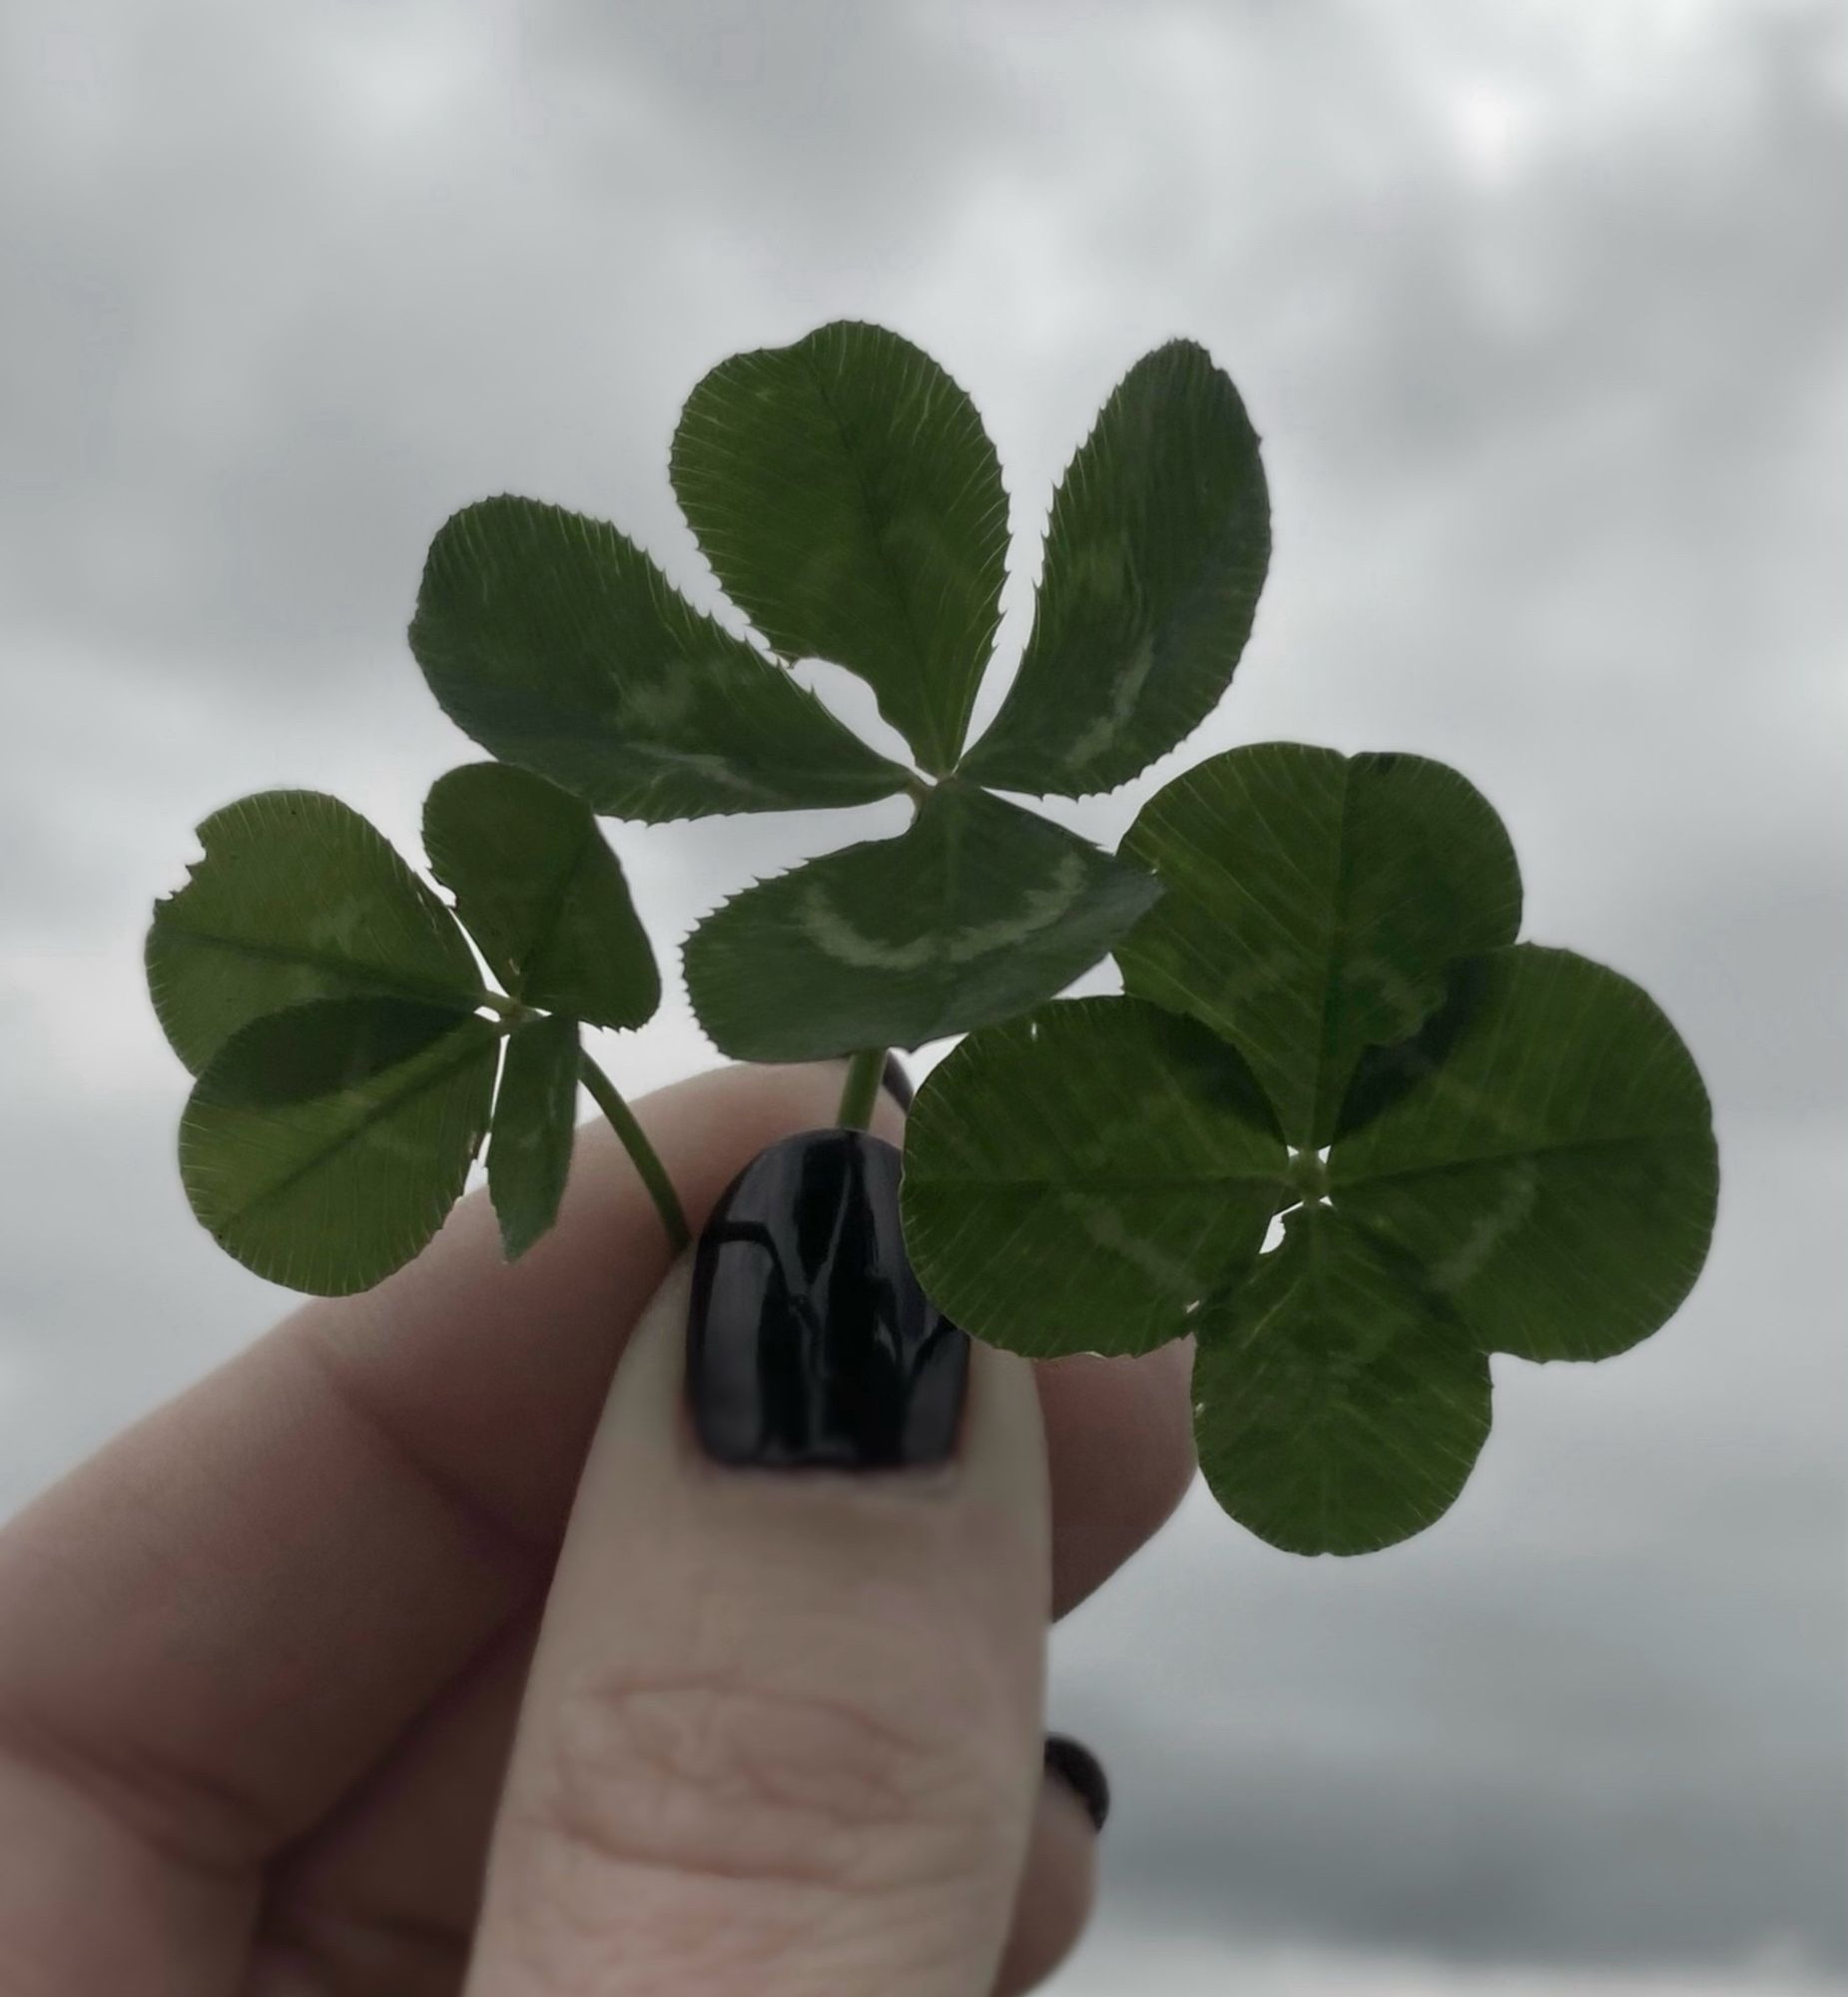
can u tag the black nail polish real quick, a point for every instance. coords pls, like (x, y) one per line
(1079, 1770)
(896, 1083)
(809, 1340)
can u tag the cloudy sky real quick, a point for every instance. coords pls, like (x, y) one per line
(1542, 308)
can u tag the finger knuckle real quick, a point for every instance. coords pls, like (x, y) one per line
(709, 1774)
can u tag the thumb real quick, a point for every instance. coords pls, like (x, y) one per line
(781, 1732)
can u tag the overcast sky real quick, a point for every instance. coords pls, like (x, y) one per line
(1543, 313)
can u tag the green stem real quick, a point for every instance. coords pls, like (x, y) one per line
(509, 1009)
(634, 1140)
(865, 1073)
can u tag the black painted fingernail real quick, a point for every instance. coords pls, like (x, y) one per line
(896, 1083)
(1082, 1774)
(809, 1341)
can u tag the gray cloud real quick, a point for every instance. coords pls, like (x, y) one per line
(1542, 315)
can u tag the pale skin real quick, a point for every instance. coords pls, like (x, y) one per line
(271, 1719)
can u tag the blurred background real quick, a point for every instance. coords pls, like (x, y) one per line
(1543, 313)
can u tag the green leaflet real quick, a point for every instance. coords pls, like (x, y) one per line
(535, 1123)
(559, 645)
(850, 501)
(1155, 554)
(322, 1145)
(542, 893)
(296, 897)
(1313, 901)
(1078, 1181)
(1554, 1175)
(976, 912)
(1339, 1408)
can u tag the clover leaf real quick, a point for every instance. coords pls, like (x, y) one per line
(1529, 1168)
(850, 501)
(322, 1145)
(536, 1124)
(542, 894)
(1554, 1175)
(1158, 549)
(1315, 899)
(1340, 1405)
(976, 912)
(333, 1009)
(1100, 1164)
(557, 644)
(296, 897)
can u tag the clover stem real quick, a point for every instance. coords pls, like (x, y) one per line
(865, 1073)
(642, 1153)
(509, 1009)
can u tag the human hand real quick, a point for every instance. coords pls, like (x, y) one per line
(270, 1706)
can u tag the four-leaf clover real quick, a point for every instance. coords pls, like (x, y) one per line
(1471, 1144)
(850, 501)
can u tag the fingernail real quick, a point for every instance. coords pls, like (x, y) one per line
(1079, 1770)
(896, 1083)
(809, 1340)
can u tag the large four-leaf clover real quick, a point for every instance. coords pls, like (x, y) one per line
(1472, 1144)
